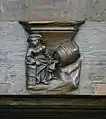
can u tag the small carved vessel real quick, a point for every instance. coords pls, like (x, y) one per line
(67, 53)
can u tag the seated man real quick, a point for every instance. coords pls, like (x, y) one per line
(40, 64)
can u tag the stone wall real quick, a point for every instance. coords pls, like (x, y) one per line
(94, 10)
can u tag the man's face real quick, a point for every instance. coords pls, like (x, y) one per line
(34, 41)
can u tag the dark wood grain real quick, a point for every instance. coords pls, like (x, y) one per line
(75, 107)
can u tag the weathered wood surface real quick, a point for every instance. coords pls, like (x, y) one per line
(12, 53)
(61, 10)
(56, 100)
(56, 107)
(52, 112)
(92, 42)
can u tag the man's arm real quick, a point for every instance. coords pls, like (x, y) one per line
(29, 57)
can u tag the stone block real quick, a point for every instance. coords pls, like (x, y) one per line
(4, 88)
(12, 54)
(41, 4)
(13, 9)
(100, 89)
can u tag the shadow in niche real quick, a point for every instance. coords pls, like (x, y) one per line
(53, 33)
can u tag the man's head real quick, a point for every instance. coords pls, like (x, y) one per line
(34, 39)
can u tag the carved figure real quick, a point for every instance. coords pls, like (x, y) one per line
(40, 65)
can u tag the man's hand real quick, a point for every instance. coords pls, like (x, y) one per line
(30, 60)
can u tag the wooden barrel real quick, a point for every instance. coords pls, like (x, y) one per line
(67, 53)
